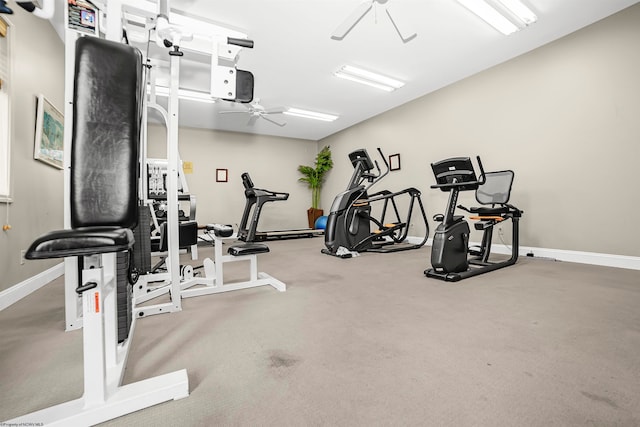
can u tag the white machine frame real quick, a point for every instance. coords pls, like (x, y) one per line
(214, 273)
(206, 39)
(104, 397)
(104, 362)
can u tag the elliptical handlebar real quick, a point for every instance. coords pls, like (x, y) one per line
(375, 178)
(384, 159)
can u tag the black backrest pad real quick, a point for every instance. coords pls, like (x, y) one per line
(107, 112)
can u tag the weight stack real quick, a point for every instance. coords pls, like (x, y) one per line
(124, 296)
(142, 246)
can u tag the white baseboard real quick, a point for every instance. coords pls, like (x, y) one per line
(593, 258)
(24, 288)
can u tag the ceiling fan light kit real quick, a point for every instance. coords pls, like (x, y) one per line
(369, 78)
(506, 16)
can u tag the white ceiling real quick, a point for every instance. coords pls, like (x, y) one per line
(294, 57)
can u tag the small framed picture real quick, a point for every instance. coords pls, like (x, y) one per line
(49, 136)
(394, 162)
(222, 175)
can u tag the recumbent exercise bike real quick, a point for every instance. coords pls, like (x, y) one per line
(450, 252)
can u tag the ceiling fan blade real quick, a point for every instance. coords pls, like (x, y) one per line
(402, 26)
(253, 119)
(355, 17)
(273, 121)
(232, 112)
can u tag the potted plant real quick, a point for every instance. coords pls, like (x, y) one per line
(314, 177)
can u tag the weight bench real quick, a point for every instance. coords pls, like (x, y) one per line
(107, 103)
(214, 269)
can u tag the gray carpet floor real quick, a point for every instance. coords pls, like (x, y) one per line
(367, 341)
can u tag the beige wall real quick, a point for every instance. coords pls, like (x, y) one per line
(272, 163)
(565, 118)
(38, 67)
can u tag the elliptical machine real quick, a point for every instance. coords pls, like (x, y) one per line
(450, 250)
(349, 221)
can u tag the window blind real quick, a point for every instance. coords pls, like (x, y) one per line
(4, 53)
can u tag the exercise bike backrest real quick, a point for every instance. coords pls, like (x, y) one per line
(496, 189)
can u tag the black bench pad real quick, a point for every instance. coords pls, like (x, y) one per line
(80, 242)
(220, 230)
(248, 249)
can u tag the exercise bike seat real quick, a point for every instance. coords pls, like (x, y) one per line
(248, 249)
(487, 211)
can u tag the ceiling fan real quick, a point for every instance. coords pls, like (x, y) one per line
(257, 111)
(403, 28)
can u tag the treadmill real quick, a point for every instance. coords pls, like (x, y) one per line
(256, 197)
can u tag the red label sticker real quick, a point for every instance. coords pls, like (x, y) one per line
(97, 298)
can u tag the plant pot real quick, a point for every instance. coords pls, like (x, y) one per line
(312, 215)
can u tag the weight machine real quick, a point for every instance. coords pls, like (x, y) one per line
(105, 130)
(102, 73)
(228, 83)
(140, 22)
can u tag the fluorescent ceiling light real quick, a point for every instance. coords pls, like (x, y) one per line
(186, 94)
(368, 78)
(520, 11)
(506, 16)
(310, 114)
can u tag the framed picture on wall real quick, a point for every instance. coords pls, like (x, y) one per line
(394, 162)
(49, 135)
(222, 175)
